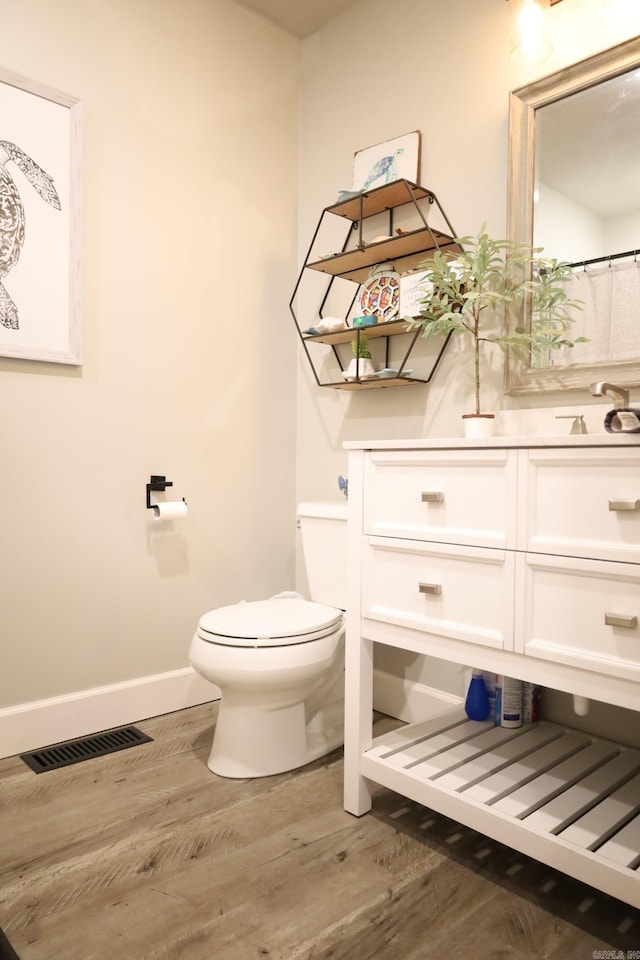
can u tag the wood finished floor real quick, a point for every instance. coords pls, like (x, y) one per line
(146, 855)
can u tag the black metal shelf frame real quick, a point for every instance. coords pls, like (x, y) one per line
(410, 245)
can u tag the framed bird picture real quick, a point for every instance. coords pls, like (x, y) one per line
(40, 222)
(397, 159)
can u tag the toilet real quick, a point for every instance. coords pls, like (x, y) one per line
(279, 663)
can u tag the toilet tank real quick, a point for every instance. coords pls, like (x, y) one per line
(323, 528)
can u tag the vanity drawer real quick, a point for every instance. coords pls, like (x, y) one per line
(463, 593)
(585, 613)
(582, 503)
(448, 496)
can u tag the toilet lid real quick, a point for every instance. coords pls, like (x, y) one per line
(269, 623)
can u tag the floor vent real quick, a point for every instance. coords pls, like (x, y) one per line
(84, 748)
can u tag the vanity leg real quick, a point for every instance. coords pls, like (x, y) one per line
(358, 669)
(358, 718)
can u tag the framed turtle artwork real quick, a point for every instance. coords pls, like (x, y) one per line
(397, 159)
(40, 222)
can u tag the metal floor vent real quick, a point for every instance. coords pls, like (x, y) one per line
(84, 748)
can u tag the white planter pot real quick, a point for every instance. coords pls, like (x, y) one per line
(358, 369)
(478, 425)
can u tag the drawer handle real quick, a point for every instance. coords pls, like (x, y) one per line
(618, 620)
(433, 589)
(624, 505)
(432, 496)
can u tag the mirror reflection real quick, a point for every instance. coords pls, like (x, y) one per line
(574, 189)
(587, 210)
(587, 174)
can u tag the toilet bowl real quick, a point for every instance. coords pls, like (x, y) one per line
(279, 663)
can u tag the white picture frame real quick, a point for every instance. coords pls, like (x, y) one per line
(40, 222)
(397, 159)
(413, 288)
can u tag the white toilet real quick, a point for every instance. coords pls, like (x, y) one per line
(279, 663)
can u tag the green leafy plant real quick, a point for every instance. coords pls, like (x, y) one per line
(468, 293)
(360, 347)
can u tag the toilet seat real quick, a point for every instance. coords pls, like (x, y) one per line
(277, 622)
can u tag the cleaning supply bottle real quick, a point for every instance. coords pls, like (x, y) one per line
(491, 682)
(509, 702)
(476, 706)
(531, 702)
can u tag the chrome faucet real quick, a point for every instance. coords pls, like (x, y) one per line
(619, 394)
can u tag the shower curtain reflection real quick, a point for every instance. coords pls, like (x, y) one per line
(605, 292)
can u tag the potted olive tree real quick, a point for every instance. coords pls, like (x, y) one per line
(467, 293)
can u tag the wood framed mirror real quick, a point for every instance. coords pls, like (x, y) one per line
(574, 189)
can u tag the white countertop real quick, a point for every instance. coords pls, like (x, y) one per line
(462, 443)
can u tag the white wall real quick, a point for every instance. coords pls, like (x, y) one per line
(622, 232)
(442, 67)
(566, 229)
(189, 256)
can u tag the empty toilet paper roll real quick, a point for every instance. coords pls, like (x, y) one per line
(170, 510)
(625, 420)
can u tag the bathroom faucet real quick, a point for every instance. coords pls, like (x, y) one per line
(619, 394)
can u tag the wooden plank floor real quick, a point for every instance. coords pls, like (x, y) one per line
(146, 855)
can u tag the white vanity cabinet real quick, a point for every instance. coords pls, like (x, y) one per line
(522, 558)
(579, 568)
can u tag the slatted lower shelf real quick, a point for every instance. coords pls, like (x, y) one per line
(558, 795)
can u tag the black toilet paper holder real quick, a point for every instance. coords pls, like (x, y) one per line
(156, 484)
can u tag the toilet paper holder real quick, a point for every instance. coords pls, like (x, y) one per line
(157, 484)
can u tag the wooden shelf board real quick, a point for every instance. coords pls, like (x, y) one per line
(356, 264)
(374, 384)
(388, 196)
(389, 328)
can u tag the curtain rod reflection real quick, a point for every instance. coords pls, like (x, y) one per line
(607, 259)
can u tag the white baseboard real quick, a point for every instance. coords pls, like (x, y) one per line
(409, 701)
(40, 723)
(29, 726)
